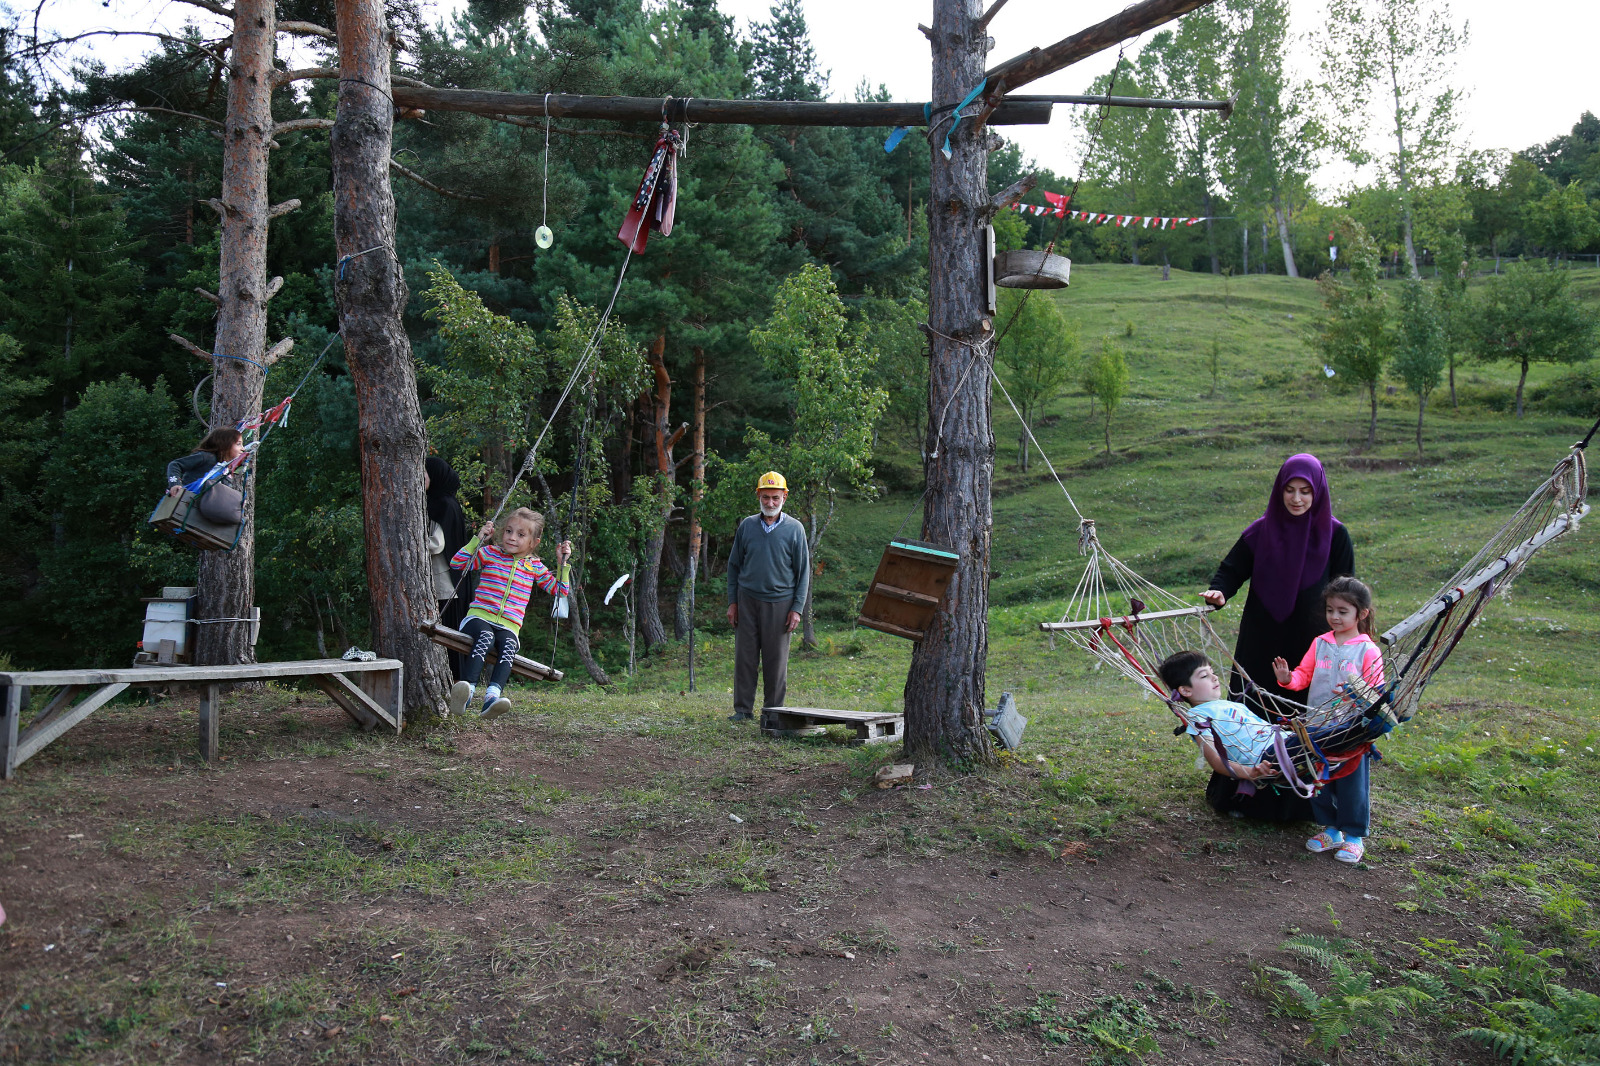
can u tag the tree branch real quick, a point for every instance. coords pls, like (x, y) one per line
(277, 210)
(213, 297)
(227, 12)
(190, 347)
(307, 29)
(218, 206)
(406, 172)
(983, 22)
(272, 287)
(277, 351)
(302, 124)
(40, 47)
(1011, 194)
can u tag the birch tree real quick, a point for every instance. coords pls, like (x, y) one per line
(1395, 58)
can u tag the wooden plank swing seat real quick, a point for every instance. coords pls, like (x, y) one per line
(458, 641)
(908, 589)
(373, 699)
(179, 516)
(871, 727)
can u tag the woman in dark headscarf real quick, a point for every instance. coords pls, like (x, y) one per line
(447, 532)
(1287, 555)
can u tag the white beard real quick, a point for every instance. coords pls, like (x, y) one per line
(771, 512)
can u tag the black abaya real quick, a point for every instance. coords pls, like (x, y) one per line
(1263, 638)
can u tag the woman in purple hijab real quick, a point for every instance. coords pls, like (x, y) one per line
(1287, 555)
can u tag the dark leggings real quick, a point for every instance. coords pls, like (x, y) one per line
(486, 635)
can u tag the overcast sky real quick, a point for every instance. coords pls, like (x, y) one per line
(1529, 69)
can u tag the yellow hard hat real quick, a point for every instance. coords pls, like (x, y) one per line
(772, 480)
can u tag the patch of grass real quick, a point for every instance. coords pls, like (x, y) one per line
(1114, 1029)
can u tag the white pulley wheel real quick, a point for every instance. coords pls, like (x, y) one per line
(543, 237)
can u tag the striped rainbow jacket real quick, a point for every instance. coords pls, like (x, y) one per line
(505, 583)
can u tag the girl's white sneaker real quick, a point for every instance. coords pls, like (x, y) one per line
(460, 693)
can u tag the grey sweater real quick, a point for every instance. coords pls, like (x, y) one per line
(770, 565)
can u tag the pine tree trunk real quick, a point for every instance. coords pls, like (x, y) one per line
(944, 693)
(660, 402)
(1521, 381)
(227, 579)
(371, 293)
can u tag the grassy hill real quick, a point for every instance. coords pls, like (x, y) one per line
(1191, 466)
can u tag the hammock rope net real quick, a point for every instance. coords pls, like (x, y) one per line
(1131, 624)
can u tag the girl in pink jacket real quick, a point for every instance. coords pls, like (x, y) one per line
(1345, 653)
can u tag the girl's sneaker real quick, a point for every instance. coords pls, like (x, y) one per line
(1326, 840)
(1353, 851)
(460, 693)
(497, 708)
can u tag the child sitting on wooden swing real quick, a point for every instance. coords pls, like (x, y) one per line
(507, 573)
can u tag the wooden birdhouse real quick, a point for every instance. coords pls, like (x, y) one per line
(908, 589)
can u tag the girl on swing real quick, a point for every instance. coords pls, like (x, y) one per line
(507, 573)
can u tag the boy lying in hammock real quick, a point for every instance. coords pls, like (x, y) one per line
(1238, 744)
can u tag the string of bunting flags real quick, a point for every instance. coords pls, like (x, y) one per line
(1058, 207)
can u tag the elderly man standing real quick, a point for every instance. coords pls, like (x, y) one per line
(769, 574)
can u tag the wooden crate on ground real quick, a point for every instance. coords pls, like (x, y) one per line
(908, 589)
(871, 727)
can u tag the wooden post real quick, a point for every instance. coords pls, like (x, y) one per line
(227, 579)
(372, 294)
(8, 731)
(944, 694)
(210, 721)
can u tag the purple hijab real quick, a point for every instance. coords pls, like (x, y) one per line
(1291, 553)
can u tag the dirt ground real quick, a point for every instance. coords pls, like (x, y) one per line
(826, 930)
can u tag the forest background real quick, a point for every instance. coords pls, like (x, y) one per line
(792, 288)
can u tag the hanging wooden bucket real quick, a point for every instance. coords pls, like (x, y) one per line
(908, 589)
(1031, 270)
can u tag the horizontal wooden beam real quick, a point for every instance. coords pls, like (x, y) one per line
(1225, 106)
(694, 109)
(1035, 63)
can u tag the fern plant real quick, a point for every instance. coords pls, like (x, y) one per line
(1354, 1003)
(1565, 1031)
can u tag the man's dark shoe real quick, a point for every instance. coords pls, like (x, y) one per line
(741, 716)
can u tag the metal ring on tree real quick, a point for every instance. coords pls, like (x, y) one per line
(194, 402)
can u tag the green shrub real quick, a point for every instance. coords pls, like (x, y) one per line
(1576, 393)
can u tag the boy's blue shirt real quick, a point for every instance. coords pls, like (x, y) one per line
(1244, 733)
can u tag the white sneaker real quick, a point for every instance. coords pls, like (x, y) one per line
(460, 693)
(497, 708)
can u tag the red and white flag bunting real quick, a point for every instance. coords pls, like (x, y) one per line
(1058, 207)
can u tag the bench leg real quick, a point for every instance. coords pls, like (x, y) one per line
(8, 731)
(210, 721)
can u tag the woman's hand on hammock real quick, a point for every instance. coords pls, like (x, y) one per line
(1214, 598)
(1256, 772)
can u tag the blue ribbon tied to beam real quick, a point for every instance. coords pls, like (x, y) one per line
(899, 132)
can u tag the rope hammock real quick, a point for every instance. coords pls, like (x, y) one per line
(1131, 624)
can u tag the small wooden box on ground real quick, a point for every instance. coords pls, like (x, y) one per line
(908, 589)
(179, 516)
(871, 727)
(168, 629)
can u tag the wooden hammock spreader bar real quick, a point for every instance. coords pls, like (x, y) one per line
(1123, 619)
(1129, 22)
(457, 641)
(695, 109)
(1437, 606)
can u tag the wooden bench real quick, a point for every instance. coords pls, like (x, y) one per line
(871, 727)
(374, 698)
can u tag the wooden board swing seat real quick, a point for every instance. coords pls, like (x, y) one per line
(181, 516)
(459, 642)
(909, 588)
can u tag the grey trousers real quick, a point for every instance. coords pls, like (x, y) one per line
(760, 641)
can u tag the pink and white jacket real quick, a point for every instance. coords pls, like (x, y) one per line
(1329, 664)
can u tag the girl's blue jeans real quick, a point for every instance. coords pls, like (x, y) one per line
(1346, 804)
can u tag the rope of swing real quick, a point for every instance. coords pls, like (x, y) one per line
(590, 351)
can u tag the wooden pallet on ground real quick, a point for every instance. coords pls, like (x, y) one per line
(872, 727)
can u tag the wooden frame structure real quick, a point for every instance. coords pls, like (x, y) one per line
(374, 698)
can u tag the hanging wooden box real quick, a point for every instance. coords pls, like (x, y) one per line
(908, 589)
(179, 516)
